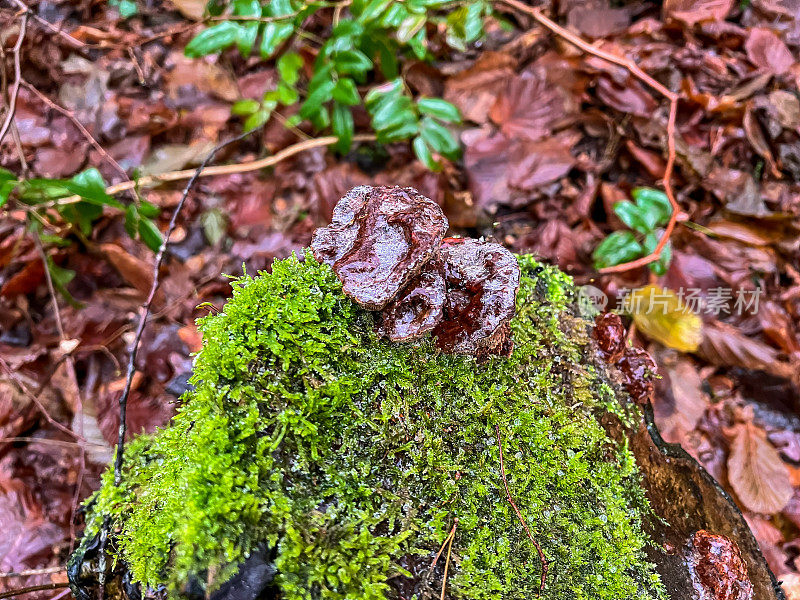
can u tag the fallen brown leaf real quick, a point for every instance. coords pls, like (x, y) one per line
(756, 472)
(767, 51)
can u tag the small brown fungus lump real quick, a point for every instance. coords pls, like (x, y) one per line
(378, 240)
(418, 308)
(482, 282)
(717, 569)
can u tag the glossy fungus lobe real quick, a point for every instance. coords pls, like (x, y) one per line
(482, 281)
(717, 569)
(637, 368)
(418, 308)
(609, 332)
(378, 240)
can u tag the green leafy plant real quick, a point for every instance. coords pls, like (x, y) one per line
(78, 202)
(358, 54)
(645, 216)
(126, 8)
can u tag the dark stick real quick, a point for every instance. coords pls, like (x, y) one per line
(145, 309)
(33, 588)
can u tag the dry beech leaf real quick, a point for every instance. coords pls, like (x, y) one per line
(694, 11)
(679, 410)
(767, 51)
(133, 270)
(191, 9)
(475, 90)
(756, 472)
(661, 316)
(726, 346)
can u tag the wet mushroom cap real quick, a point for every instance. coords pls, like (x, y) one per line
(378, 240)
(418, 308)
(482, 282)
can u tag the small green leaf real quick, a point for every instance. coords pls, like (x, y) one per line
(148, 209)
(245, 107)
(410, 26)
(655, 205)
(401, 131)
(373, 10)
(397, 110)
(423, 153)
(257, 119)
(660, 266)
(342, 122)
(632, 216)
(248, 31)
(617, 248)
(126, 8)
(61, 278)
(150, 234)
(419, 45)
(132, 220)
(286, 95)
(90, 186)
(214, 225)
(8, 181)
(322, 94)
(439, 138)
(289, 65)
(396, 14)
(274, 35)
(211, 40)
(346, 92)
(279, 8)
(441, 109)
(352, 61)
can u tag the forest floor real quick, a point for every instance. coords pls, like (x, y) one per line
(552, 138)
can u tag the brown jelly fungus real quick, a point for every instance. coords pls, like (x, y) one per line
(418, 308)
(378, 240)
(609, 332)
(717, 569)
(638, 369)
(482, 282)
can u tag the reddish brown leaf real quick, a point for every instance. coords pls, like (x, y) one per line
(537, 164)
(519, 117)
(756, 472)
(628, 98)
(24, 281)
(475, 90)
(135, 271)
(767, 51)
(724, 345)
(681, 402)
(598, 22)
(691, 11)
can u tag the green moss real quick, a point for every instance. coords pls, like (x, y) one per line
(352, 457)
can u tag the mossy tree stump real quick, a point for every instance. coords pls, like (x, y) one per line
(350, 459)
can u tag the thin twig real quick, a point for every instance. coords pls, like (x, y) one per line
(30, 572)
(33, 588)
(33, 398)
(75, 43)
(14, 92)
(447, 560)
(89, 137)
(637, 72)
(255, 165)
(444, 543)
(145, 309)
(542, 558)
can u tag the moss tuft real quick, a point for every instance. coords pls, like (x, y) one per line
(351, 457)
